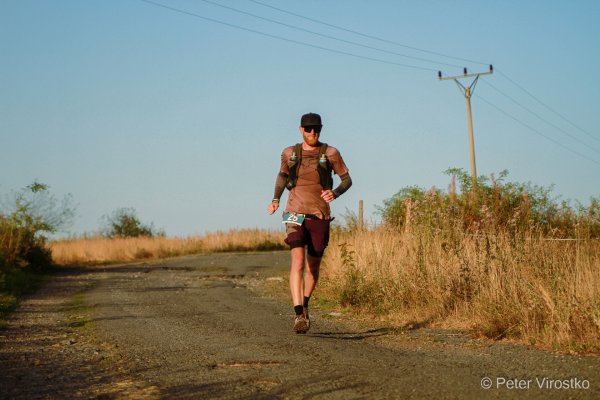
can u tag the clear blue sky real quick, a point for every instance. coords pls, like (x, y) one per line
(128, 104)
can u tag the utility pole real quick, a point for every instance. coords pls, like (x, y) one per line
(467, 92)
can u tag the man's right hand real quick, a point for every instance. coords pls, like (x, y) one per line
(272, 207)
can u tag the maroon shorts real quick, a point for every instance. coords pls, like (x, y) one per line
(313, 233)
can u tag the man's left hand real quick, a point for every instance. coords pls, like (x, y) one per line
(328, 195)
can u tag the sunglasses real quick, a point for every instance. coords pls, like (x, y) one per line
(316, 128)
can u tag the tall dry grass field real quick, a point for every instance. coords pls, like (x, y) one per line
(541, 291)
(88, 250)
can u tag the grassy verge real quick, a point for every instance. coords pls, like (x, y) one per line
(524, 288)
(90, 250)
(14, 284)
(79, 314)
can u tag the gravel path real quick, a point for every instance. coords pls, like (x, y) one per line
(197, 327)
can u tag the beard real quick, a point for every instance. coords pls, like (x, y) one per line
(311, 140)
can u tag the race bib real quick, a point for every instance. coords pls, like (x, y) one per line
(293, 218)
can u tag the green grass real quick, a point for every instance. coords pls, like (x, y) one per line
(79, 314)
(14, 284)
(323, 303)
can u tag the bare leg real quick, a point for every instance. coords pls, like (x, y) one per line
(312, 274)
(296, 275)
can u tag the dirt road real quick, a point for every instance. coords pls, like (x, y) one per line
(197, 327)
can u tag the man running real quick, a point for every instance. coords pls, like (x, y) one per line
(306, 170)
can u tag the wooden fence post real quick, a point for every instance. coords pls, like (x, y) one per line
(408, 203)
(360, 215)
(452, 190)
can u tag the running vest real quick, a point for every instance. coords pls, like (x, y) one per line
(323, 167)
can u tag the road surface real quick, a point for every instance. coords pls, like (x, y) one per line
(203, 327)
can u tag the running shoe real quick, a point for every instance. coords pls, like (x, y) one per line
(307, 318)
(300, 324)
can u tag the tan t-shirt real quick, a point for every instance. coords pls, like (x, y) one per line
(305, 197)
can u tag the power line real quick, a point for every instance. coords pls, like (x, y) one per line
(329, 36)
(178, 10)
(538, 132)
(331, 50)
(441, 55)
(539, 117)
(547, 106)
(366, 35)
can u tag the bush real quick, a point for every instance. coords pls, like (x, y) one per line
(25, 220)
(124, 223)
(495, 205)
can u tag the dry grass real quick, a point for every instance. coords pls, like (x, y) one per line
(89, 250)
(538, 291)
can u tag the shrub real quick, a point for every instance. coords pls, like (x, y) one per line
(495, 205)
(25, 220)
(124, 223)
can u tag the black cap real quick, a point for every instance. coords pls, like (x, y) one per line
(310, 119)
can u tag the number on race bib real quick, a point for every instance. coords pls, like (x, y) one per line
(293, 218)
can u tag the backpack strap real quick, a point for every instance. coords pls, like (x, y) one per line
(298, 151)
(322, 150)
(324, 169)
(294, 163)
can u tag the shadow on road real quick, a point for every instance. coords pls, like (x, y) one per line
(353, 335)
